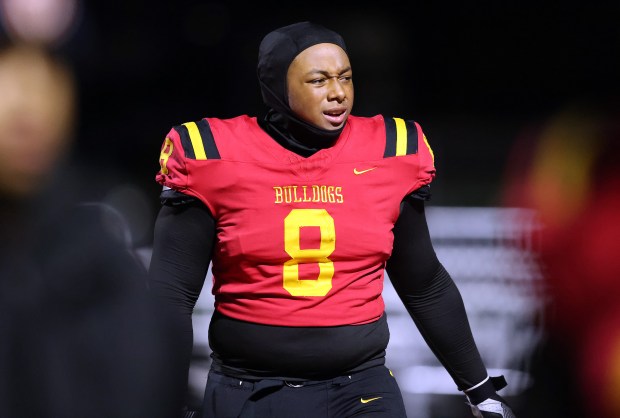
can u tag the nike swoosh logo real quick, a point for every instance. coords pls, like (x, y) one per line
(362, 400)
(356, 171)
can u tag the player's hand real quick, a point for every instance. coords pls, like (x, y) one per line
(492, 408)
(486, 403)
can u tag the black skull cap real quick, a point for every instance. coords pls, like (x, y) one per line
(276, 52)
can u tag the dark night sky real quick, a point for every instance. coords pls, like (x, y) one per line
(474, 74)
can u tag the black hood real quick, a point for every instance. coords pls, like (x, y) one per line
(276, 52)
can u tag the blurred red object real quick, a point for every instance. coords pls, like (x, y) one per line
(569, 172)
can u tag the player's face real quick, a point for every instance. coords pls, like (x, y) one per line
(320, 86)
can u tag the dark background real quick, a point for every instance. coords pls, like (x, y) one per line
(476, 75)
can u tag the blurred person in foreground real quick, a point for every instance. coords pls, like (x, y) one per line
(568, 172)
(78, 335)
(301, 212)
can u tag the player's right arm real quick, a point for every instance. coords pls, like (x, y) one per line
(182, 246)
(183, 242)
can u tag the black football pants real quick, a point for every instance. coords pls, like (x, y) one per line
(369, 393)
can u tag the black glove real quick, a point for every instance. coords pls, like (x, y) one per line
(486, 403)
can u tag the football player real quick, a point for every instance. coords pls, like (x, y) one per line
(301, 213)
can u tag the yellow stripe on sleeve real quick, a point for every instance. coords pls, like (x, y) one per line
(401, 137)
(194, 136)
(429, 148)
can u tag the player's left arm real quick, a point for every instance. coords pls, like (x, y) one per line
(436, 306)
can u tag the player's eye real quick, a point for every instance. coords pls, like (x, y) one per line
(317, 81)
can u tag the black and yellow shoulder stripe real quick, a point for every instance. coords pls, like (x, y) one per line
(197, 140)
(401, 137)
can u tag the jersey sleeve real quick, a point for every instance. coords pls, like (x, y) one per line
(427, 158)
(405, 139)
(185, 148)
(427, 166)
(173, 171)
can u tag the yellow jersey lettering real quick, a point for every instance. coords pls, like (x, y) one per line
(288, 198)
(278, 192)
(315, 193)
(297, 199)
(323, 193)
(166, 152)
(330, 194)
(306, 198)
(339, 197)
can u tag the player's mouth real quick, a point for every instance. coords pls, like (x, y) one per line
(336, 116)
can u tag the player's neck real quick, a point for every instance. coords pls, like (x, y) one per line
(296, 136)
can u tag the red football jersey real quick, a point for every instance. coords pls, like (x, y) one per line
(300, 241)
